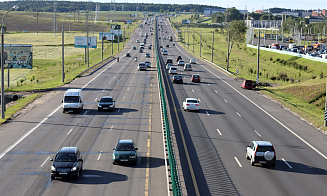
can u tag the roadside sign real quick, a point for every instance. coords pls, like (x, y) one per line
(81, 42)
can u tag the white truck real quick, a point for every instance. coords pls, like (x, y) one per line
(72, 101)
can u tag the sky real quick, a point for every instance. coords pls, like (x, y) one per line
(252, 5)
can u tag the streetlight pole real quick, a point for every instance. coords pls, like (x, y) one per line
(102, 44)
(63, 52)
(193, 42)
(200, 42)
(3, 104)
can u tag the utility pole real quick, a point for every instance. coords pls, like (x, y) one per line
(258, 57)
(188, 40)
(228, 49)
(200, 42)
(193, 42)
(326, 107)
(213, 39)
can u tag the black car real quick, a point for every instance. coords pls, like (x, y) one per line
(134, 48)
(67, 162)
(167, 46)
(160, 46)
(141, 50)
(128, 54)
(106, 103)
(178, 79)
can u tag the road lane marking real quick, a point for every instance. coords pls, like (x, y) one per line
(28, 133)
(238, 114)
(87, 111)
(111, 127)
(287, 163)
(103, 90)
(124, 97)
(257, 133)
(193, 90)
(296, 135)
(226, 101)
(238, 161)
(219, 132)
(207, 113)
(99, 156)
(69, 131)
(96, 99)
(208, 83)
(118, 110)
(45, 161)
(216, 91)
(128, 88)
(147, 170)
(199, 100)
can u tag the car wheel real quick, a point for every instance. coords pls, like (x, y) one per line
(63, 111)
(252, 162)
(81, 167)
(246, 156)
(53, 178)
(273, 164)
(77, 175)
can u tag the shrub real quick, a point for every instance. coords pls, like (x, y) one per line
(271, 59)
(272, 78)
(278, 59)
(313, 77)
(282, 76)
(292, 80)
(321, 75)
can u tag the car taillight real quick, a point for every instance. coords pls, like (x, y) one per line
(197, 104)
(187, 104)
(255, 152)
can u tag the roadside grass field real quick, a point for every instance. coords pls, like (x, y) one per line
(302, 90)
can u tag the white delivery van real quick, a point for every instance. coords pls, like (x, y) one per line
(72, 101)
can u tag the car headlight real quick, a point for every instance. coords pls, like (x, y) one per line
(74, 168)
(53, 168)
(111, 105)
(116, 157)
(99, 106)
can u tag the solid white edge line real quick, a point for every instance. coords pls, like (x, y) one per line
(28, 133)
(238, 161)
(257, 133)
(287, 163)
(43, 120)
(69, 131)
(207, 113)
(45, 161)
(219, 131)
(296, 135)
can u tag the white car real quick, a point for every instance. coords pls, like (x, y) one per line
(148, 63)
(168, 66)
(192, 61)
(137, 41)
(191, 104)
(188, 67)
(261, 152)
(165, 52)
(180, 62)
(173, 70)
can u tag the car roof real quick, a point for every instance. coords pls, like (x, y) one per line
(125, 141)
(263, 143)
(106, 97)
(191, 99)
(195, 75)
(69, 149)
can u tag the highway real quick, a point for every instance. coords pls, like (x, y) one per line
(228, 120)
(30, 140)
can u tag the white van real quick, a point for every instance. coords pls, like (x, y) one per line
(141, 45)
(72, 101)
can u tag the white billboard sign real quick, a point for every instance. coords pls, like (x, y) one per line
(81, 42)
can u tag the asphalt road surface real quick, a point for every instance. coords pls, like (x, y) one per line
(228, 120)
(28, 142)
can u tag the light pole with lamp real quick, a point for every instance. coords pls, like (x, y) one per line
(63, 53)
(3, 104)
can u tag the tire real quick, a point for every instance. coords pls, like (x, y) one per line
(114, 163)
(53, 178)
(273, 164)
(77, 175)
(63, 111)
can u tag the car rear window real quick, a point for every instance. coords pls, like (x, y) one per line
(178, 77)
(173, 68)
(192, 101)
(265, 148)
(196, 76)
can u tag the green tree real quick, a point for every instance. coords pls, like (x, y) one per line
(237, 29)
(161, 11)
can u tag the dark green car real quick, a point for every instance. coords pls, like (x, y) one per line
(125, 152)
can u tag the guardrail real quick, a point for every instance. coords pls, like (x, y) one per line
(176, 188)
(290, 53)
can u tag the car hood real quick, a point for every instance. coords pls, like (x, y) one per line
(124, 153)
(63, 164)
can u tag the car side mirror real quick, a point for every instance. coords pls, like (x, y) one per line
(114, 101)
(136, 148)
(98, 101)
(62, 101)
(113, 148)
(80, 160)
(80, 101)
(51, 159)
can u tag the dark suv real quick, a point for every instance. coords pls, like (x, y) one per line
(67, 162)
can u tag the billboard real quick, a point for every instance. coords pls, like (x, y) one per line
(186, 21)
(18, 56)
(128, 22)
(116, 32)
(107, 36)
(81, 42)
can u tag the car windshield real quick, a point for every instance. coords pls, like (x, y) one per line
(71, 99)
(65, 157)
(265, 148)
(106, 99)
(192, 101)
(124, 147)
(173, 68)
(178, 77)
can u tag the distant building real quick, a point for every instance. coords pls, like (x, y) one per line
(259, 11)
(305, 14)
(208, 11)
(319, 13)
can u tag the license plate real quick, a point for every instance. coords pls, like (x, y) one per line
(123, 160)
(105, 108)
(70, 110)
(63, 173)
(262, 161)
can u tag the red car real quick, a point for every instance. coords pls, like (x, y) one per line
(247, 84)
(196, 78)
(178, 58)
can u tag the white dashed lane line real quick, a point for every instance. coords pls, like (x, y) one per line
(96, 99)
(45, 162)
(69, 131)
(111, 127)
(226, 101)
(257, 133)
(207, 113)
(238, 114)
(287, 163)
(99, 156)
(216, 91)
(238, 161)
(192, 90)
(219, 131)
